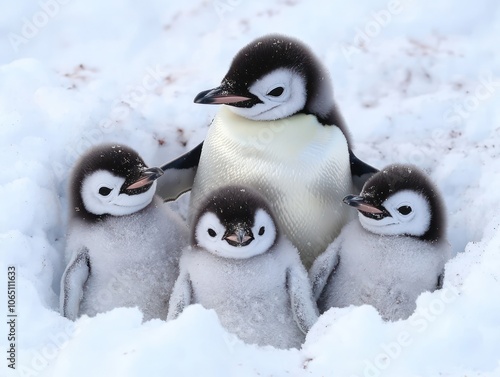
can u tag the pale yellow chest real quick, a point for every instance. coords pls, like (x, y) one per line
(301, 166)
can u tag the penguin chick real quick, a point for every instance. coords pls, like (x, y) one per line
(240, 266)
(396, 250)
(123, 245)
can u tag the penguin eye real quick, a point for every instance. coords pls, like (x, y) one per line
(276, 92)
(404, 210)
(262, 230)
(211, 232)
(105, 191)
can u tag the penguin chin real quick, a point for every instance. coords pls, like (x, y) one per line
(121, 205)
(261, 112)
(237, 252)
(390, 226)
(384, 226)
(118, 209)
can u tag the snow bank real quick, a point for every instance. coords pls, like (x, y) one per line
(416, 83)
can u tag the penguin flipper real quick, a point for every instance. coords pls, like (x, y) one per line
(440, 280)
(179, 174)
(360, 171)
(323, 267)
(72, 282)
(181, 296)
(304, 307)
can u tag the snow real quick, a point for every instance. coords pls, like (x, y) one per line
(417, 83)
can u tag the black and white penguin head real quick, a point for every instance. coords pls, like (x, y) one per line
(400, 200)
(235, 222)
(275, 77)
(100, 180)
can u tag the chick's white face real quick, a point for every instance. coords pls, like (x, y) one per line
(410, 215)
(282, 92)
(101, 195)
(210, 234)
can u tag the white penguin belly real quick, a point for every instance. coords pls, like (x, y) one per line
(133, 261)
(299, 165)
(387, 272)
(249, 295)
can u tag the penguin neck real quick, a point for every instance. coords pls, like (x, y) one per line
(79, 212)
(284, 137)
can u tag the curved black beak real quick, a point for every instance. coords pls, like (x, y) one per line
(147, 177)
(218, 96)
(360, 204)
(239, 236)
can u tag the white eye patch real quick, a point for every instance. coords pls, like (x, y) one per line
(282, 92)
(209, 233)
(410, 214)
(101, 195)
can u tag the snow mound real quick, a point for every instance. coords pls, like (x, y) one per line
(417, 84)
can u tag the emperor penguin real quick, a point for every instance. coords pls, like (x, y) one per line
(280, 132)
(123, 245)
(240, 265)
(394, 251)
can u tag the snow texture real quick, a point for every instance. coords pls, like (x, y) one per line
(417, 82)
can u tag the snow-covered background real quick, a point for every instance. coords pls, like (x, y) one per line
(417, 81)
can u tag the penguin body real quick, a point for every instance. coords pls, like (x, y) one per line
(257, 285)
(302, 167)
(123, 246)
(279, 131)
(392, 253)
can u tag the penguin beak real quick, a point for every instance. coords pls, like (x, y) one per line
(239, 237)
(360, 204)
(219, 96)
(147, 177)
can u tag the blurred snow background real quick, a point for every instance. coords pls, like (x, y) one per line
(417, 81)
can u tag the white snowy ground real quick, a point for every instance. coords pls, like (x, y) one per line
(417, 81)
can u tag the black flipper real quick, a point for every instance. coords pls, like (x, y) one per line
(188, 160)
(440, 281)
(360, 171)
(179, 174)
